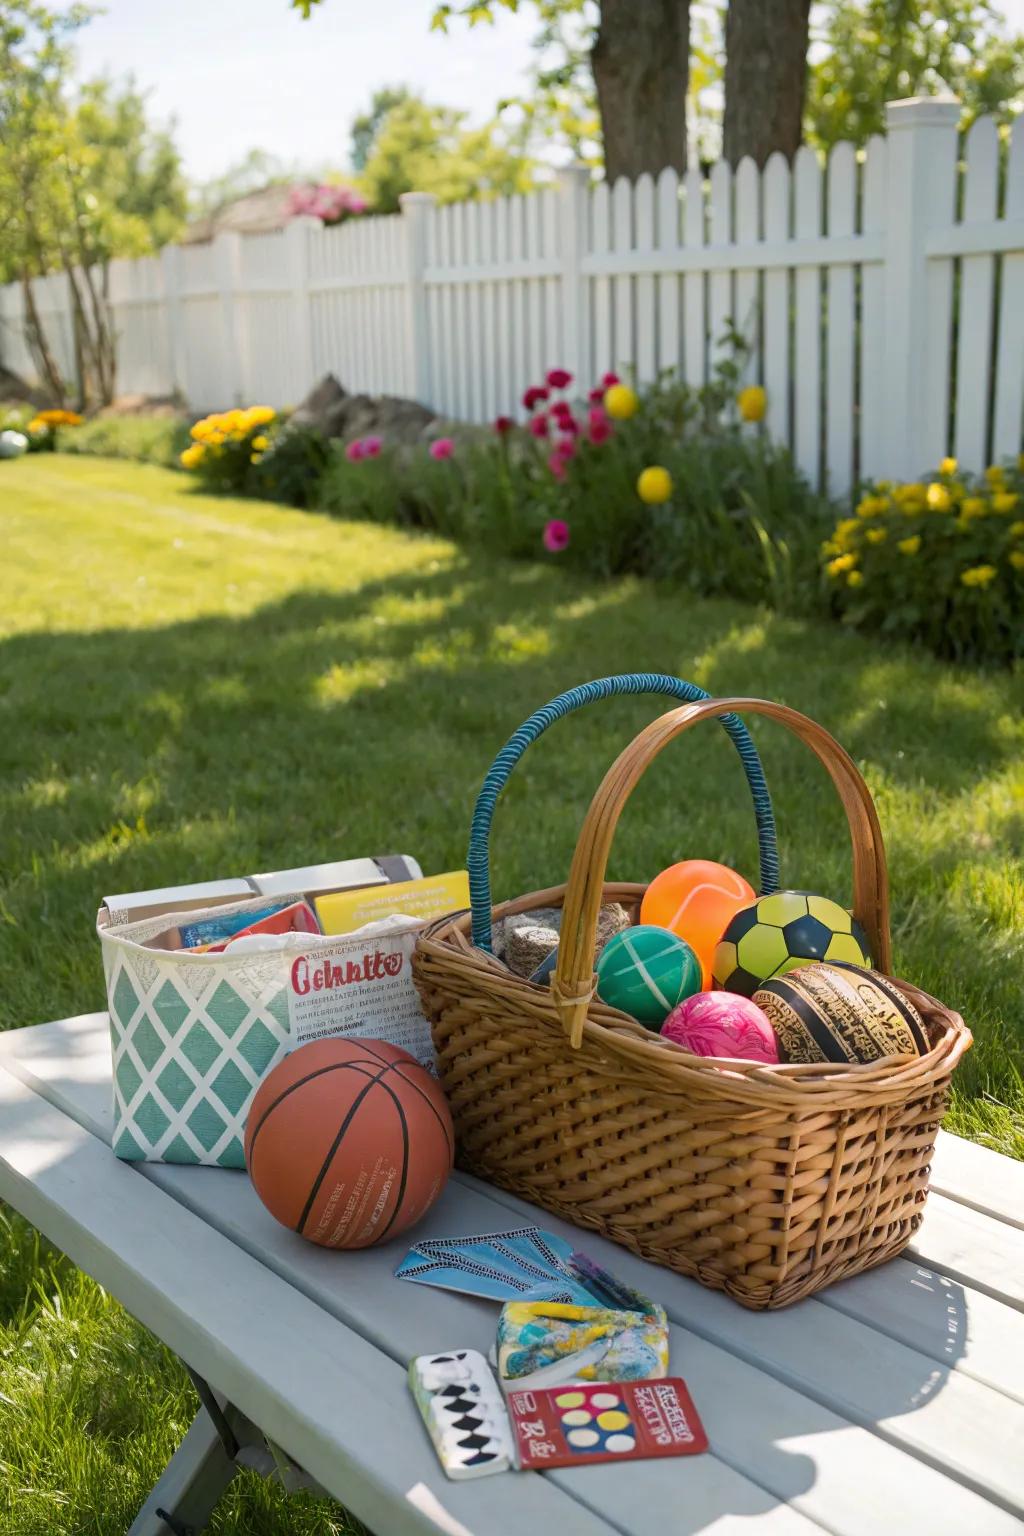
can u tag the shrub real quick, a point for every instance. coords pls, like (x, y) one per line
(940, 561)
(227, 446)
(291, 467)
(150, 439)
(666, 483)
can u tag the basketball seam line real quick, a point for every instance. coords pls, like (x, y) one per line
(430, 1105)
(405, 1159)
(335, 1066)
(350, 1115)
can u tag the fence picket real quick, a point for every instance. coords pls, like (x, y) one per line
(977, 293)
(775, 328)
(534, 291)
(842, 205)
(872, 312)
(601, 287)
(695, 327)
(1008, 406)
(668, 282)
(748, 229)
(622, 242)
(720, 303)
(807, 294)
(646, 325)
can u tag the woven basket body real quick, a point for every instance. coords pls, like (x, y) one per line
(766, 1182)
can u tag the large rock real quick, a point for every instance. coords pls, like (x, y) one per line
(333, 412)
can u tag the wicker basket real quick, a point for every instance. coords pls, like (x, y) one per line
(766, 1182)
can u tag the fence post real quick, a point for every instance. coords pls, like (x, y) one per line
(922, 149)
(171, 262)
(296, 235)
(574, 185)
(417, 211)
(227, 261)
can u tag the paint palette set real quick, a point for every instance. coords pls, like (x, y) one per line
(475, 1433)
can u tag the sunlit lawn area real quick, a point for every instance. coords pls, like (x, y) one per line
(192, 687)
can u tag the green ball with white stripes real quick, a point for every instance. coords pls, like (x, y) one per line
(646, 971)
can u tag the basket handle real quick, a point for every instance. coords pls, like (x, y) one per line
(478, 857)
(573, 982)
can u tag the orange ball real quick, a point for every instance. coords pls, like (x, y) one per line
(696, 899)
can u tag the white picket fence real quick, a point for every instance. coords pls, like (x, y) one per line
(882, 296)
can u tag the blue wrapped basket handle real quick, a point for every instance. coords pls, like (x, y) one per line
(478, 858)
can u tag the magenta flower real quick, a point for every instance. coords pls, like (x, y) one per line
(596, 396)
(595, 414)
(329, 204)
(565, 448)
(609, 380)
(569, 424)
(355, 451)
(503, 424)
(442, 448)
(560, 410)
(534, 395)
(556, 535)
(539, 425)
(558, 378)
(556, 464)
(372, 447)
(600, 431)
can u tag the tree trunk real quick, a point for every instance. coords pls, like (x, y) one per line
(641, 65)
(38, 345)
(765, 78)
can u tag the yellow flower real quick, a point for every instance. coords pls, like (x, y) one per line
(830, 548)
(1017, 559)
(752, 402)
(1017, 530)
(254, 458)
(192, 456)
(909, 546)
(620, 402)
(840, 564)
(37, 424)
(846, 532)
(912, 491)
(872, 506)
(978, 575)
(1004, 501)
(947, 467)
(215, 437)
(995, 475)
(973, 506)
(883, 485)
(877, 535)
(654, 485)
(855, 579)
(259, 443)
(938, 497)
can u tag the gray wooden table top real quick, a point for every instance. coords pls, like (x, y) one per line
(891, 1402)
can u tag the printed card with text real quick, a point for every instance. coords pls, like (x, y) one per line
(605, 1421)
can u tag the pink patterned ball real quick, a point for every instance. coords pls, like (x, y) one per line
(722, 1024)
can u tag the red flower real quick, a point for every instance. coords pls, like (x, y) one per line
(559, 379)
(556, 464)
(595, 414)
(596, 396)
(609, 380)
(565, 448)
(534, 395)
(503, 424)
(600, 431)
(442, 448)
(556, 535)
(561, 409)
(569, 424)
(538, 425)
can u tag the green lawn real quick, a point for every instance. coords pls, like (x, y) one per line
(192, 687)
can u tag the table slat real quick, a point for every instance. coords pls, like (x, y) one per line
(978, 1177)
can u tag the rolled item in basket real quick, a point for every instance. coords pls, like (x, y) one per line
(208, 935)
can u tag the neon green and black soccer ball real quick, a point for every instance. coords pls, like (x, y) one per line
(777, 932)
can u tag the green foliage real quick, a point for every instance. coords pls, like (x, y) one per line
(367, 125)
(874, 51)
(133, 181)
(148, 439)
(291, 469)
(424, 148)
(942, 563)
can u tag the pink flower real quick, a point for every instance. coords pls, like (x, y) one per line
(556, 464)
(565, 448)
(556, 535)
(596, 396)
(568, 423)
(442, 448)
(372, 447)
(503, 424)
(609, 380)
(561, 409)
(558, 378)
(534, 395)
(355, 451)
(600, 431)
(539, 425)
(595, 415)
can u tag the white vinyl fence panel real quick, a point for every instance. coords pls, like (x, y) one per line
(880, 295)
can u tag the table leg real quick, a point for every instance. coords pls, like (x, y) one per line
(189, 1487)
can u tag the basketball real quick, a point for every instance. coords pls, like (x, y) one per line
(696, 899)
(349, 1142)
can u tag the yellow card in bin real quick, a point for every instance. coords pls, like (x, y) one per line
(425, 899)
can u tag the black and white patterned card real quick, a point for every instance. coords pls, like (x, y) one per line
(464, 1412)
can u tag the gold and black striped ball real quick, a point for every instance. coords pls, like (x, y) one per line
(840, 1012)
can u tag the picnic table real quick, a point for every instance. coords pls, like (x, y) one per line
(893, 1402)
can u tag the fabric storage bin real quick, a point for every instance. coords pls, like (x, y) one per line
(766, 1182)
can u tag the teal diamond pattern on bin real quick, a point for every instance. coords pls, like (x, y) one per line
(201, 1048)
(179, 1151)
(258, 1047)
(206, 1125)
(125, 998)
(228, 1010)
(175, 1084)
(148, 1045)
(231, 1088)
(127, 1147)
(128, 1079)
(150, 1119)
(171, 1008)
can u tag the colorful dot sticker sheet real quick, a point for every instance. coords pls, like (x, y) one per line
(606, 1421)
